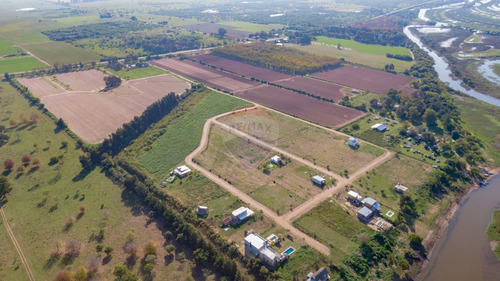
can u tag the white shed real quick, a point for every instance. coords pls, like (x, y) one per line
(353, 142)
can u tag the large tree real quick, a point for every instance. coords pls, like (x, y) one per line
(222, 32)
(112, 81)
(5, 186)
(430, 117)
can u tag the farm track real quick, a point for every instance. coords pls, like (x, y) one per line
(284, 221)
(16, 245)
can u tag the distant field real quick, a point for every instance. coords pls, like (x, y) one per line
(362, 54)
(323, 147)
(20, 63)
(496, 69)
(77, 20)
(43, 199)
(361, 47)
(236, 160)
(6, 47)
(332, 225)
(61, 53)
(183, 133)
(137, 73)
(251, 27)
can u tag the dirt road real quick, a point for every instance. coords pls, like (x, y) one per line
(286, 220)
(16, 245)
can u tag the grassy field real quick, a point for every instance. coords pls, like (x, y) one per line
(379, 183)
(484, 121)
(251, 27)
(334, 226)
(358, 53)
(496, 69)
(325, 148)
(137, 73)
(6, 47)
(61, 53)
(238, 162)
(494, 231)
(45, 199)
(181, 131)
(80, 20)
(11, 267)
(20, 63)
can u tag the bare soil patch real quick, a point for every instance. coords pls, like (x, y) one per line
(89, 80)
(368, 79)
(203, 74)
(314, 86)
(93, 116)
(312, 109)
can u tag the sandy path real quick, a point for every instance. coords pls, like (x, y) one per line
(16, 245)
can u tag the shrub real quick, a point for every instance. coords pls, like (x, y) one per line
(150, 248)
(8, 164)
(108, 250)
(26, 159)
(99, 248)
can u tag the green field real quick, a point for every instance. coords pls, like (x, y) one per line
(183, 134)
(251, 27)
(80, 20)
(61, 53)
(6, 48)
(494, 231)
(496, 69)
(334, 226)
(20, 63)
(44, 199)
(484, 121)
(358, 53)
(137, 73)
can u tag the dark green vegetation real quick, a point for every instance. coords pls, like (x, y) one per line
(277, 58)
(494, 231)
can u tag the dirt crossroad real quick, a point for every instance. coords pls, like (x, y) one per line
(286, 220)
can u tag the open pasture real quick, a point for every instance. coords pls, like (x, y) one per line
(305, 107)
(237, 161)
(6, 47)
(95, 115)
(214, 28)
(19, 63)
(61, 53)
(326, 148)
(313, 86)
(241, 68)
(203, 74)
(367, 79)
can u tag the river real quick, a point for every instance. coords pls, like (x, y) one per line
(463, 252)
(443, 70)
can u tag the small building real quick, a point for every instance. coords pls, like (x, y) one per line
(365, 214)
(241, 214)
(269, 256)
(254, 243)
(353, 142)
(182, 171)
(320, 275)
(276, 160)
(202, 210)
(371, 203)
(400, 188)
(379, 127)
(318, 180)
(354, 196)
(355, 91)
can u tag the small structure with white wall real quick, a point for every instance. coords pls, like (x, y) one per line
(202, 210)
(182, 171)
(353, 142)
(365, 214)
(371, 203)
(256, 246)
(400, 188)
(379, 127)
(354, 197)
(318, 180)
(320, 275)
(276, 160)
(241, 214)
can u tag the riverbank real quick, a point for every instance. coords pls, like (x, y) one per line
(442, 225)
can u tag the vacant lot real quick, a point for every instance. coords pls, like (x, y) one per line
(367, 79)
(6, 47)
(95, 115)
(203, 74)
(214, 28)
(44, 199)
(61, 53)
(312, 109)
(239, 162)
(379, 183)
(323, 147)
(136, 73)
(313, 86)
(332, 225)
(20, 63)
(241, 68)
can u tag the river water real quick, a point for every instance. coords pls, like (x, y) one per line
(463, 252)
(443, 70)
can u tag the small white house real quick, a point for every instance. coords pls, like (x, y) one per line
(276, 160)
(354, 196)
(400, 188)
(202, 210)
(319, 180)
(355, 91)
(353, 142)
(254, 243)
(182, 171)
(379, 127)
(241, 214)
